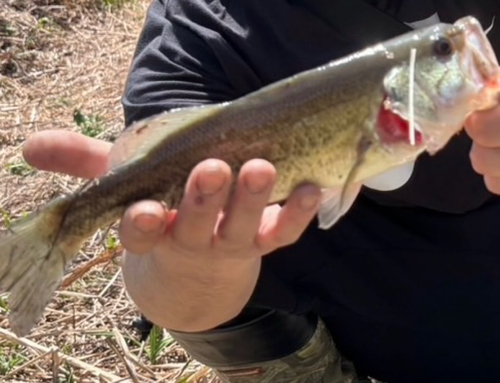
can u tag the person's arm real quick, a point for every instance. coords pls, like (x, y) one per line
(174, 65)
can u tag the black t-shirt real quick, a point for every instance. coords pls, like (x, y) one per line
(408, 281)
(406, 10)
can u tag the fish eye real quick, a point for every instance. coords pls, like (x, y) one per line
(442, 47)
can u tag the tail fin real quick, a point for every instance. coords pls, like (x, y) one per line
(32, 263)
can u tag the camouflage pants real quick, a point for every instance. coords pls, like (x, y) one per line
(316, 362)
(271, 347)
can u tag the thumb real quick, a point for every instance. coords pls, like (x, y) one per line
(142, 225)
(67, 152)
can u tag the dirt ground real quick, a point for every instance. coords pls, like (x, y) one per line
(63, 64)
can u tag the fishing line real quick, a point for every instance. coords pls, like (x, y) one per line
(491, 26)
(413, 56)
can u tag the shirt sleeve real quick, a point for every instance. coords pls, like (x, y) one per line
(172, 67)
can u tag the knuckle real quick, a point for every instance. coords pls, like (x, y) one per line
(292, 229)
(285, 238)
(136, 241)
(191, 237)
(198, 207)
(187, 248)
(294, 236)
(201, 203)
(232, 247)
(493, 184)
(250, 210)
(478, 134)
(478, 130)
(135, 247)
(234, 241)
(477, 160)
(279, 239)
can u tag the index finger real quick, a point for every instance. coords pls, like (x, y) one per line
(67, 152)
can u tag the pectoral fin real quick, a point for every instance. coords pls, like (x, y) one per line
(336, 202)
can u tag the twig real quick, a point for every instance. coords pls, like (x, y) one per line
(195, 376)
(183, 369)
(123, 345)
(111, 282)
(78, 295)
(117, 301)
(55, 365)
(130, 369)
(72, 361)
(88, 331)
(141, 349)
(82, 270)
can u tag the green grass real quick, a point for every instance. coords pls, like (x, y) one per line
(46, 24)
(10, 358)
(7, 28)
(67, 349)
(157, 343)
(20, 168)
(6, 217)
(114, 4)
(111, 242)
(4, 306)
(68, 376)
(89, 124)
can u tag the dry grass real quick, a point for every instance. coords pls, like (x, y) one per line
(55, 60)
(63, 61)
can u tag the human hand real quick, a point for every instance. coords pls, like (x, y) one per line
(484, 129)
(197, 243)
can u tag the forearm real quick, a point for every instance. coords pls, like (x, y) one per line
(190, 295)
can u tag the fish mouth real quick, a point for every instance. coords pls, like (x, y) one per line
(479, 62)
(479, 89)
(480, 59)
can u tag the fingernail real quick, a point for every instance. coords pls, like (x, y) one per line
(309, 201)
(257, 184)
(147, 223)
(211, 179)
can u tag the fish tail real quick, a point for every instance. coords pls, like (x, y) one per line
(33, 258)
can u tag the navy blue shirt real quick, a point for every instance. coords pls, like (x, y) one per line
(408, 281)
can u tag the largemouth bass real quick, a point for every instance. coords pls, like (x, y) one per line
(336, 126)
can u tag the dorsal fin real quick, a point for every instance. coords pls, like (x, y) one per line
(138, 140)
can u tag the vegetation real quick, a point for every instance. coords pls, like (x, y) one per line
(90, 125)
(63, 64)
